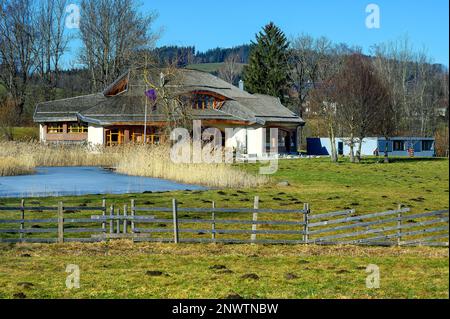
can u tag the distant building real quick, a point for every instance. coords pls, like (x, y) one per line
(396, 146)
(117, 115)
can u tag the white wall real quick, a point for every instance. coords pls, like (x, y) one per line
(255, 139)
(95, 135)
(238, 140)
(369, 145)
(41, 133)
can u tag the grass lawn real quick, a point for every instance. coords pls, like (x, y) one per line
(25, 133)
(118, 269)
(126, 270)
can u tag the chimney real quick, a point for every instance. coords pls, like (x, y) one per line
(241, 85)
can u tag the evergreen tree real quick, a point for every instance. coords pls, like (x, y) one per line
(267, 71)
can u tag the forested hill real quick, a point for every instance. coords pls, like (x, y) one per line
(188, 55)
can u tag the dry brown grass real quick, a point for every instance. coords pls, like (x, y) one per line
(10, 166)
(59, 155)
(156, 162)
(138, 160)
(128, 248)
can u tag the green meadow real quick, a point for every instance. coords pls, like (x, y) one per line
(120, 269)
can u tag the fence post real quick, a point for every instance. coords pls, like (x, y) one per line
(255, 217)
(175, 221)
(306, 223)
(125, 220)
(111, 217)
(118, 221)
(133, 213)
(104, 216)
(213, 222)
(22, 217)
(60, 223)
(399, 225)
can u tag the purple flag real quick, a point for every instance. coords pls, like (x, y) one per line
(151, 94)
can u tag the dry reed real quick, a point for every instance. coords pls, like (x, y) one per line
(10, 166)
(156, 162)
(138, 160)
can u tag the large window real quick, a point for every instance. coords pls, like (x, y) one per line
(78, 128)
(427, 146)
(55, 128)
(399, 146)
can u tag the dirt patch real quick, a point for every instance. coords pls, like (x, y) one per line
(290, 276)
(155, 273)
(25, 285)
(218, 267)
(19, 295)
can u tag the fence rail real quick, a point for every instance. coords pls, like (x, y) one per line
(221, 225)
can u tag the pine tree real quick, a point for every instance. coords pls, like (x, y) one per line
(267, 71)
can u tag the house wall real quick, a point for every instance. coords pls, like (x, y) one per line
(238, 141)
(96, 135)
(63, 137)
(369, 146)
(42, 130)
(322, 147)
(255, 141)
(410, 142)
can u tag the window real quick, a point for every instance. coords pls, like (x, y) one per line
(427, 146)
(56, 128)
(205, 100)
(399, 146)
(76, 128)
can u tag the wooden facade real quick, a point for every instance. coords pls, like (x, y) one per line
(120, 135)
(71, 132)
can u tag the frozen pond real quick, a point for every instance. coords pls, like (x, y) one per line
(68, 181)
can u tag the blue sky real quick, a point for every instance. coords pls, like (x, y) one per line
(209, 24)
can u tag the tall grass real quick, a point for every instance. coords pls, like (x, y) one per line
(139, 160)
(156, 162)
(59, 155)
(10, 166)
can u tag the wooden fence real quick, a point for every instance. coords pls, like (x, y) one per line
(255, 225)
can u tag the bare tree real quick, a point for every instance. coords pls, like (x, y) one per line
(323, 103)
(112, 31)
(163, 84)
(231, 69)
(414, 83)
(359, 95)
(309, 60)
(51, 44)
(17, 47)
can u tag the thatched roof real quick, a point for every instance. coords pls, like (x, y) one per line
(127, 105)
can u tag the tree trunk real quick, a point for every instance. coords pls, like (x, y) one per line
(386, 151)
(358, 152)
(352, 149)
(334, 156)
